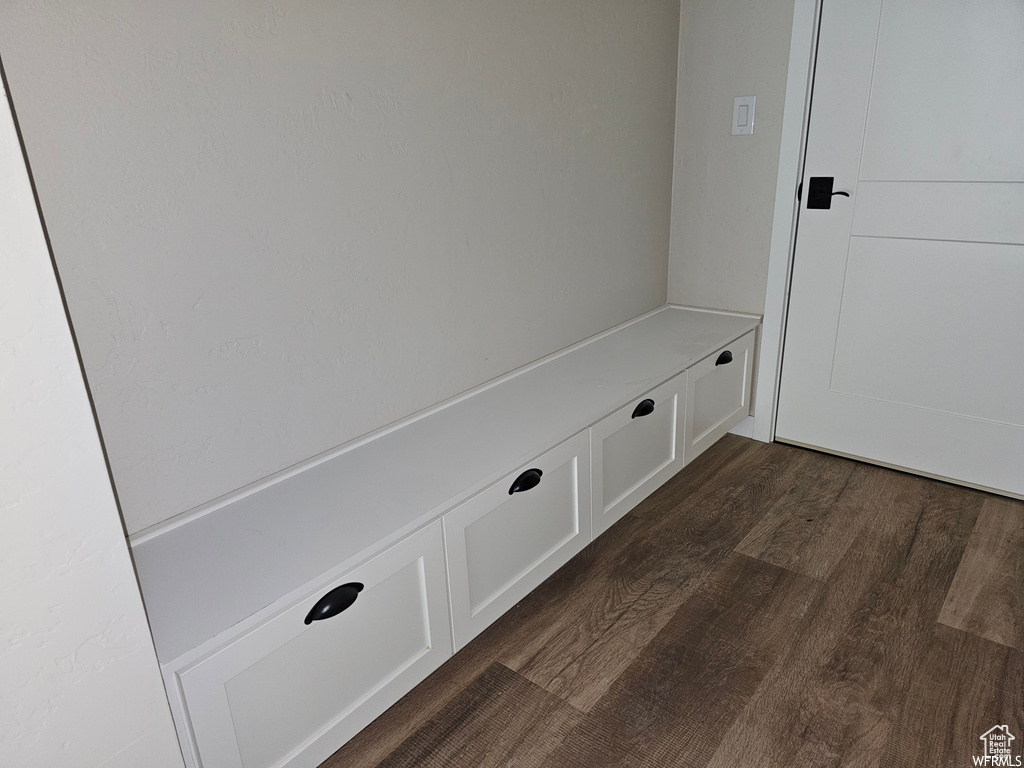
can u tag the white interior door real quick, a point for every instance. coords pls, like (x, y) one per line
(905, 336)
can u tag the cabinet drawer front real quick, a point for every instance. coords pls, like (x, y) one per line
(718, 394)
(291, 694)
(500, 546)
(632, 455)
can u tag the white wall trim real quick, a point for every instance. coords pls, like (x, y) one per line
(709, 310)
(745, 428)
(675, 160)
(80, 661)
(791, 154)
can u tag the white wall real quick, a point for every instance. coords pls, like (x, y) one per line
(282, 226)
(79, 685)
(724, 185)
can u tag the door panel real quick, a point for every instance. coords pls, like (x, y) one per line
(892, 344)
(717, 395)
(632, 455)
(973, 212)
(903, 342)
(501, 545)
(288, 693)
(946, 93)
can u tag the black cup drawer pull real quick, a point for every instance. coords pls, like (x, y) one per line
(643, 408)
(529, 479)
(724, 358)
(334, 602)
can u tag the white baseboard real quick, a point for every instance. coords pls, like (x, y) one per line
(745, 428)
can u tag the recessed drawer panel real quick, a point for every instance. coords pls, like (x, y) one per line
(718, 394)
(635, 450)
(502, 544)
(289, 693)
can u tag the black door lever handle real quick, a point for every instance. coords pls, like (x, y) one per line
(819, 192)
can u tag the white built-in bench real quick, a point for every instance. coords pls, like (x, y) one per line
(423, 534)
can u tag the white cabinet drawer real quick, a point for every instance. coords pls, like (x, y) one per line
(718, 394)
(635, 450)
(288, 693)
(501, 545)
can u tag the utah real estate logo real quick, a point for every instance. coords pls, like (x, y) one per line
(998, 749)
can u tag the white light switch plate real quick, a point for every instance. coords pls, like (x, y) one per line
(743, 115)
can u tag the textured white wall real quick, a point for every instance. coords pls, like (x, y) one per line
(79, 685)
(724, 186)
(282, 226)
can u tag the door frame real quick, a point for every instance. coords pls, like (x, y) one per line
(793, 146)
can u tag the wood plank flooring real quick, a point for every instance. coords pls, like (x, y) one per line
(769, 606)
(987, 597)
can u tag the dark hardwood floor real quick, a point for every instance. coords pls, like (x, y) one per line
(769, 606)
